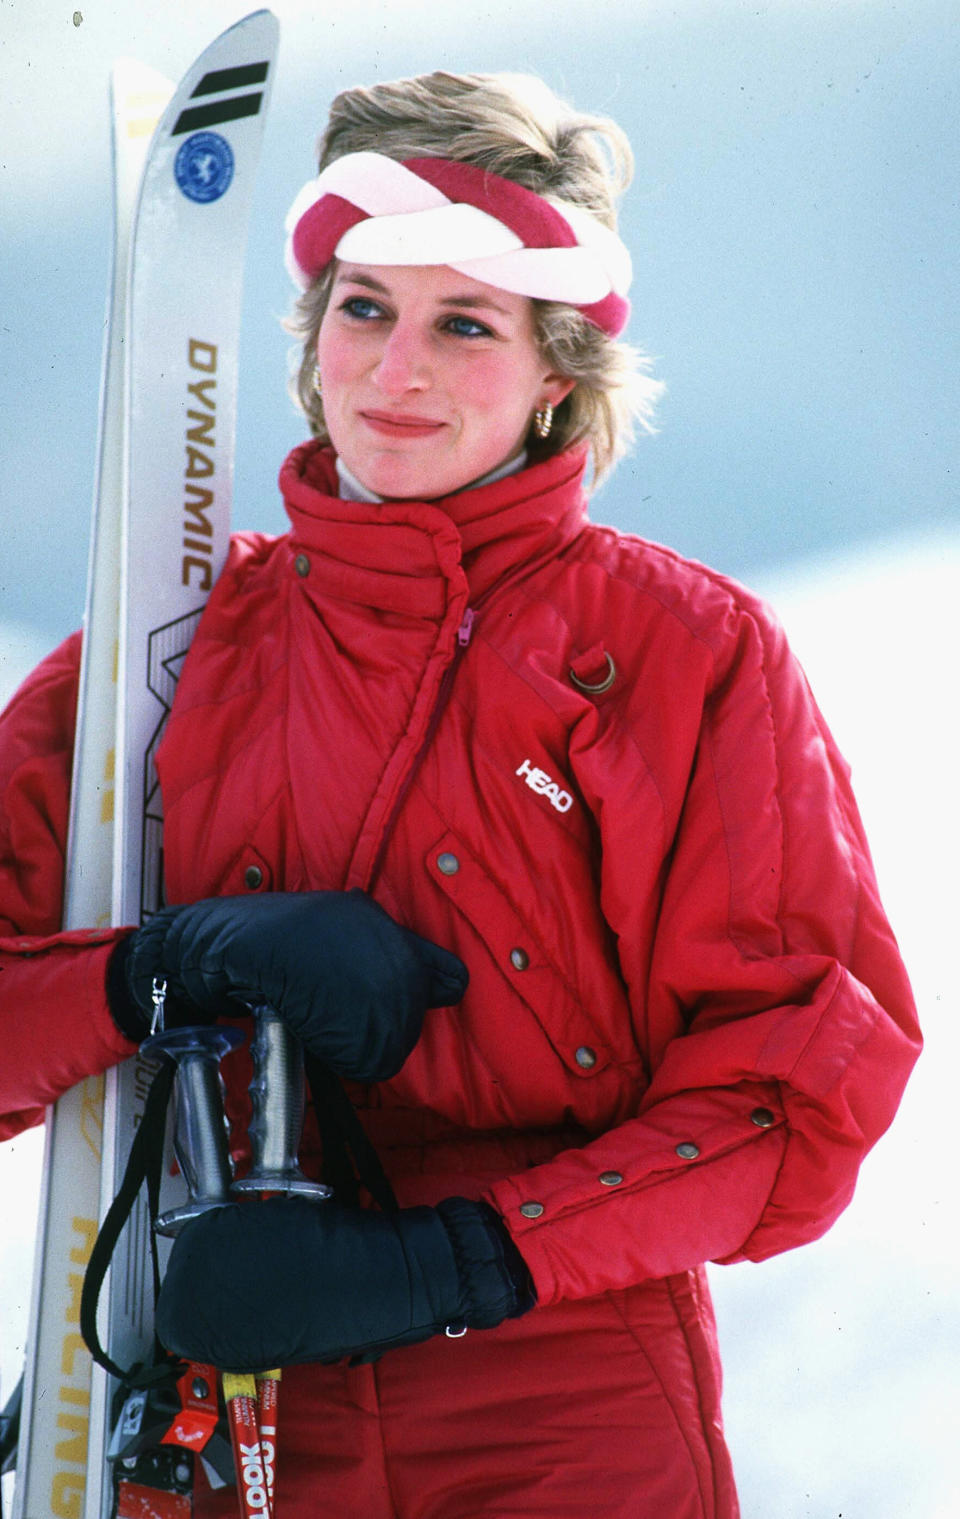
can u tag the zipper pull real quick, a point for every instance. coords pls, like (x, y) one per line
(465, 630)
(158, 996)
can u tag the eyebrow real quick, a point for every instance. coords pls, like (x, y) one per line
(481, 301)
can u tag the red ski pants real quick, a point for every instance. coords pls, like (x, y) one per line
(602, 1408)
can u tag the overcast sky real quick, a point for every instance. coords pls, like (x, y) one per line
(792, 221)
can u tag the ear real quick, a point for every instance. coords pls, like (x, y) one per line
(556, 388)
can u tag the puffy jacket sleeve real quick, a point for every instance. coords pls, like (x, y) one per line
(55, 1027)
(774, 1003)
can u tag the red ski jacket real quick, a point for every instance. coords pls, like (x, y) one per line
(591, 768)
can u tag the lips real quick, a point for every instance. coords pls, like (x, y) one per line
(401, 425)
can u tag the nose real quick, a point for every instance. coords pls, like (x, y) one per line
(403, 364)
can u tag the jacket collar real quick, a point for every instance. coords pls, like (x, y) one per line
(408, 556)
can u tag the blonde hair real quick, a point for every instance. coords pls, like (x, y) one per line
(515, 126)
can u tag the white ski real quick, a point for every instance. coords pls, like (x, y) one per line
(182, 326)
(161, 528)
(52, 1452)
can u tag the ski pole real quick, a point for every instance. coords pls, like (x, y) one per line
(253, 1485)
(277, 1098)
(202, 1150)
(268, 1388)
(201, 1146)
(200, 1128)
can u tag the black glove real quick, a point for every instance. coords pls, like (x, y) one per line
(273, 1283)
(349, 981)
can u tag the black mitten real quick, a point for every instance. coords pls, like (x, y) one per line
(286, 1280)
(349, 981)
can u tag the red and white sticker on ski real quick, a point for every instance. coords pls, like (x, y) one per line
(253, 1488)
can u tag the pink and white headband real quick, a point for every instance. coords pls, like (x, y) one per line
(369, 209)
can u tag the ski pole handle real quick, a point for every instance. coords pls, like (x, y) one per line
(200, 1141)
(277, 1096)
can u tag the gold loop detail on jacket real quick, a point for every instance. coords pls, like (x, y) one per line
(595, 688)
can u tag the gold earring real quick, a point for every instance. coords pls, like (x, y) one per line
(543, 421)
(317, 382)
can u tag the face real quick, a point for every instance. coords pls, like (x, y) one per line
(430, 379)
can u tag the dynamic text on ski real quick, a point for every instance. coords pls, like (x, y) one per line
(200, 465)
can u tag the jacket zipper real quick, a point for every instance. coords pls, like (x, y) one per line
(464, 635)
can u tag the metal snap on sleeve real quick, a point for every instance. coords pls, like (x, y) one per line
(610, 1178)
(688, 1151)
(585, 1057)
(531, 1210)
(302, 565)
(447, 864)
(762, 1117)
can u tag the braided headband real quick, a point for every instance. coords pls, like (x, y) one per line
(370, 209)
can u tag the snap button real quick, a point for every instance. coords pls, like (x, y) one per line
(585, 1057)
(762, 1117)
(448, 864)
(688, 1151)
(519, 959)
(531, 1210)
(253, 877)
(302, 565)
(610, 1178)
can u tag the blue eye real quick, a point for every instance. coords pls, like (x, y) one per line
(467, 327)
(361, 307)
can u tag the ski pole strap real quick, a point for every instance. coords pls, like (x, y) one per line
(348, 1154)
(145, 1163)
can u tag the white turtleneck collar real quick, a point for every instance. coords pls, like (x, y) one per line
(351, 488)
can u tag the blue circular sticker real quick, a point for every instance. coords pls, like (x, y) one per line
(204, 166)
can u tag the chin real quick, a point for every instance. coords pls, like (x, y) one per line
(401, 479)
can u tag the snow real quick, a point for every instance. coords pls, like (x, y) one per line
(843, 1359)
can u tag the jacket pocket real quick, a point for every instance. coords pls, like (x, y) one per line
(520, 958)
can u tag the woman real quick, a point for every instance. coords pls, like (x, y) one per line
(530, 830)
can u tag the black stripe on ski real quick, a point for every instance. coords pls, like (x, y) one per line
(200, 116)
(239, 78)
